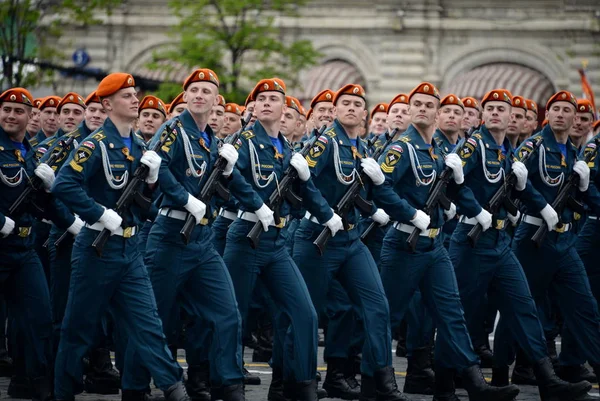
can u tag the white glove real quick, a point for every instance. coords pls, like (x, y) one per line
(450, 213)
(583, 171)
(265, 216)
(521, 173)
(196, 207)
(46, 174)
(421, 220)
(299, 163)
(152, 160)
(76, 226)
(485, 219)
(372, 169)
(514, 219)
(334, 224)
(8, 227)
(550, 217)
(111, 220)
(380, 217)
(228, 152)
(454, 162)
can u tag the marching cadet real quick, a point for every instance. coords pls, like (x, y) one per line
(263, 156)
(193, 275)
(322, 108)
(518, 120)
(48, 120)
(249, 108)
(378, 124)
(177, 106)
(486, 159)
(70, 109)
(152, 116)
(555, 265)
(581, 133)
(233, 120)
(291, 125)
(34, 126)
(531, 123)
(472, 116)
(408, 169)
(89, 185)
(334, 161)
(217, 117)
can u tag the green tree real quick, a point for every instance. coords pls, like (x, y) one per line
(239, 40)
(30, 29)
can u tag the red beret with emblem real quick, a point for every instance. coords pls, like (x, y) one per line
(450, 100)
(233, 108)
(92, 98)
(562, 96)
(178, 100)
(71, 98)
(470, 102)
(201, 75)
(326, 95)
(350, 89)
(585, 106)
(37, 102)
(17, 95)
(309, 113)
(497, 95)
(49, 101)
(293, 103)
(519, 102)
(268, 85)
(400, 98)
(113, 83)
(532, 106)
(152, 102)
(249, 99)
(379, 108)
(221, 101)
(425, 88)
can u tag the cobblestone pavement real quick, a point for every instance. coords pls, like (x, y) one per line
(259, 393)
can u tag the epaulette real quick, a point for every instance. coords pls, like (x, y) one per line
(330, 132)
(247, 135)
(404, 138)
(99, 136)
(74, 134)
(476, 135)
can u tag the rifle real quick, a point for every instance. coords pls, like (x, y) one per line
(35, 182)
(564, 199)
(352, 198)
(213, 183)
(284, 191)
(132, 190)
(502, 196)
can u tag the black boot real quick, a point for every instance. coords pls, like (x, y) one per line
(102, 378)
(444, 385)
(321, 393)
(42, 389)
(306, 391)
(234, 392)
(198, 382)
(19, 387)
(485, 355)
(552, 353)
(420, 378)
(367, 388)
(386, 388)
(250, 379)
(261, 354)
(177, 393)
(553, 388)
(134, 395)
(401, 345)
(351, 370)
(6, 364)
(575, 373)
(479, 390)
(276, 387)
(523, 371)
(335, 380)
(500, 377)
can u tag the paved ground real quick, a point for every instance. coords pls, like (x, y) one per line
(259, 393)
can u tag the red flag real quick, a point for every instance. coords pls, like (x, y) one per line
(588, 93)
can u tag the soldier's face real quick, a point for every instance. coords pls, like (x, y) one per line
(323, 114)
(398, 117)
(423, 110)
(71, 115)
(378, 123)
(582, 125)
(470, 119)
(496, 115)
(289, 122)
(122, 105)
(217, 119)
(517, 121)
(49, 120)
(201, 97)
(232, 124)
(149, 121)
(180, 108)
(561, 116)
(14, 118)
(450, 118)
(94, 116)
(34, 122)
(350, 110)
(250, 109)
(269, 106)
(301, 126)
(531, 123)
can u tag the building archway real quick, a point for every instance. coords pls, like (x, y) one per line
(332, 75)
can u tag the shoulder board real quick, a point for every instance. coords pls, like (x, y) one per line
(248, 134)
(404, 139)
(476, 135)
(99, 136)
(330, 132)
(74, 134)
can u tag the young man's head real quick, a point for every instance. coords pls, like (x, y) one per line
(34, 121)
(269, 101)
(472, 116)
(94, 112)
(152, 115)
(398, 115)
(291, 120)
(322, 108)
(15, 110)
(118, 97)
(378, 121)
(233, 119)
(71, 111)
(450, 115)
(560, 112)
(217, 116)
(201, 91)
(49, 115)
(497, 106)
(518, 117)
(424, 102)
(177, 106)
(584, 119)
(349, 106)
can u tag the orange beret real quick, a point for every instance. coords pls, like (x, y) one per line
(221, 101)
(532, 106)
(178, 100)
(242, 109)
(249, 99)
(379, 108)
(268, 85)
(201, 75)
(585, 106)
(562, 96)
(17, 95)
(326, 95)
(293, 103)
(37, 102)
(350, 89)
(425, 88)
(497, 95)
(92, 98)
(152, 102)
(49, 101)
(309, 113)
(400, 98)
(470, 102)
(113, 83)
(233, 108)
(72, 98)
(452, 100)
(519, 102)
